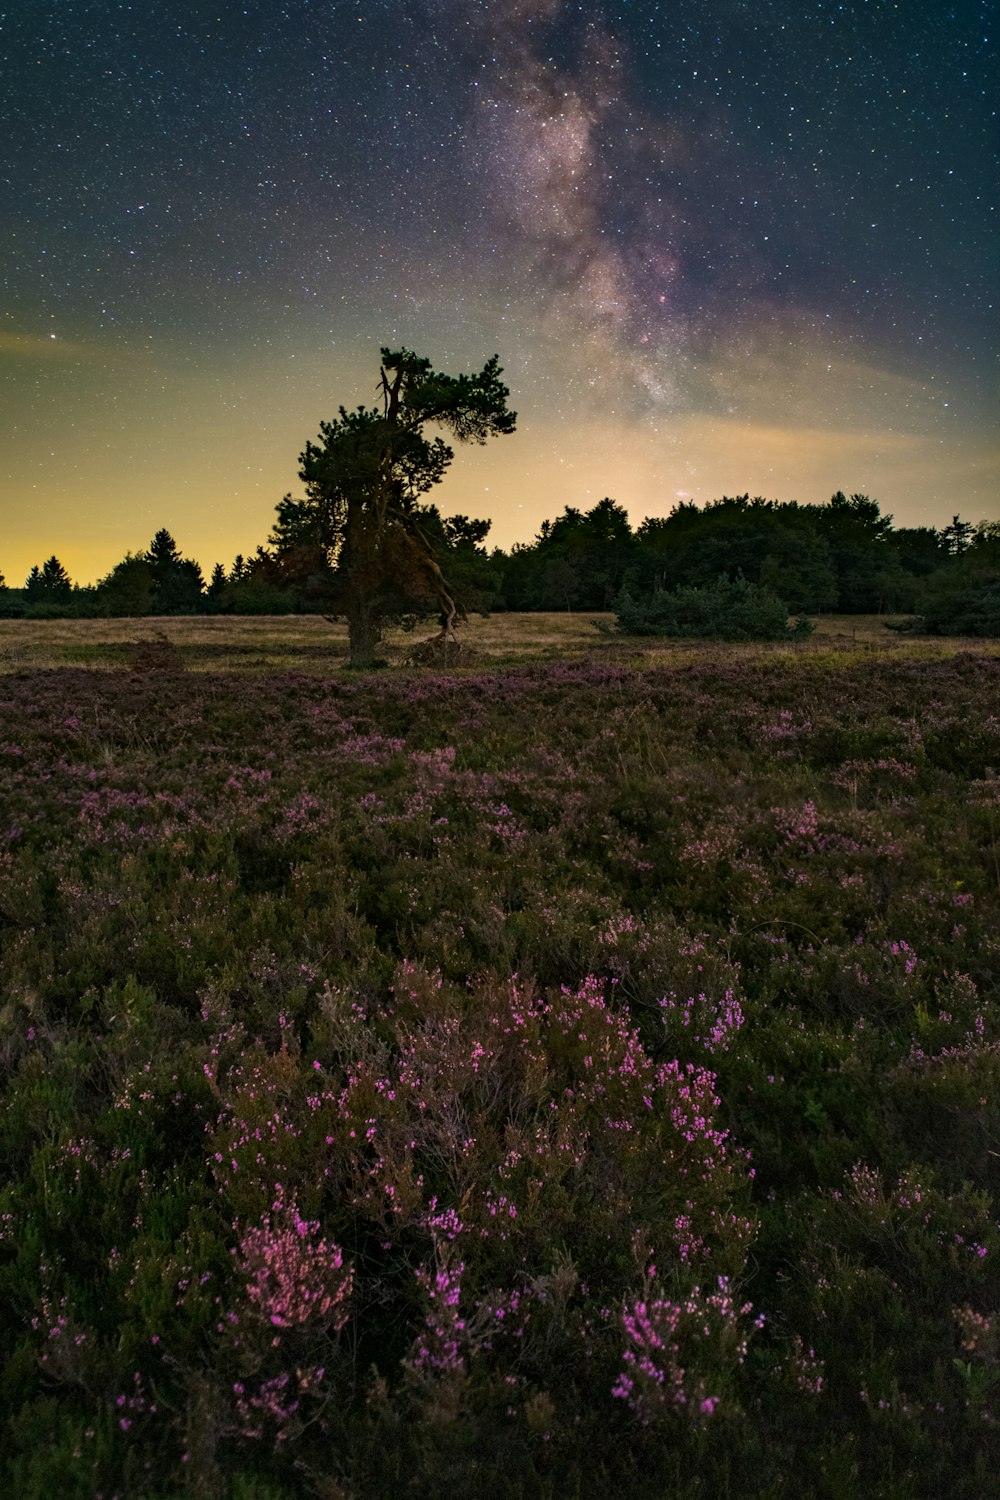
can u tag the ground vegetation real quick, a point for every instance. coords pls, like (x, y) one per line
(555, 1080)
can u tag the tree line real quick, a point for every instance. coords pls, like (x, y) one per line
(843, 557)
(364, 543)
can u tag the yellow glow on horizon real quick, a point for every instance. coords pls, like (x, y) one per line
(103, 453)
(218, 508)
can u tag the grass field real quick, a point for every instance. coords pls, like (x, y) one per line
(570, 1076)
(310, 643)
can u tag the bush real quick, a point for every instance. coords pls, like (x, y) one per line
(250, 596)
(974, 611)
(729, 610)
(48, 612)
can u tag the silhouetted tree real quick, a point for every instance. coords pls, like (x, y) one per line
(297, 558)
(958, 536)
(49, 584)
(587, 555)
(869, 576)
(963, 597)
(177, 581)
(797, 567)
(11, 602)
(457, 544)
(365, 475)
(521, 570)
(761, 541)
(727, 538)
(216, 589)
(579, 560)
(128, 588)
(56, 580)
(921, 550)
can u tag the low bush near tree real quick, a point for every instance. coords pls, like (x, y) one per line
(727, 610)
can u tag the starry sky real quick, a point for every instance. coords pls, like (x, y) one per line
(719, 246)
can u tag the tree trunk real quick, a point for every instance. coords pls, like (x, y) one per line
(364, 630)
(364, 617)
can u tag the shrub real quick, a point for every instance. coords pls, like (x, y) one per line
(729, 610)
(975, 610)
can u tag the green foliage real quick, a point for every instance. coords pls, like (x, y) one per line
(761, 540)
(255, 596)
(48, 590)
(728, 610)
(12, 604)
(841, 556)
(128, 588)
(798, 569)
(920, 549)
(578, 561)
(964, 598)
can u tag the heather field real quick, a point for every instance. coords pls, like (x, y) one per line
(576, 1074)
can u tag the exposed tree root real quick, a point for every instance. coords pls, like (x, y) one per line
(442, 650)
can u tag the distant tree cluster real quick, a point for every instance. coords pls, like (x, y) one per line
(964, 598)
(730, 609)
(843, 557)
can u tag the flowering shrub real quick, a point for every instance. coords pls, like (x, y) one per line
(293, 1279)
(702, 1329)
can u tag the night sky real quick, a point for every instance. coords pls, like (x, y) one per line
(747, 245)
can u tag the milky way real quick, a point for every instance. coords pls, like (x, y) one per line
(718, 247)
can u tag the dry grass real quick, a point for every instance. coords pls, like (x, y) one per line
(312, 644)
(226, 643)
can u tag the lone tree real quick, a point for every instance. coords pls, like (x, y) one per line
(364, 478)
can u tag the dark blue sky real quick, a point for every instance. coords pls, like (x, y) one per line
(718, 247)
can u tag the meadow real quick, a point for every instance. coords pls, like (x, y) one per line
(311, 643)
(575, 1073)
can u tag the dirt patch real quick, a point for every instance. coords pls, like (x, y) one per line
(154, 653)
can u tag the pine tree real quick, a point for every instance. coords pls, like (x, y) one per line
(177, 582)
(366, 474)
(958, 536)
(49, 584)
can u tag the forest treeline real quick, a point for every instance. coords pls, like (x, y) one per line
(842, 557)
